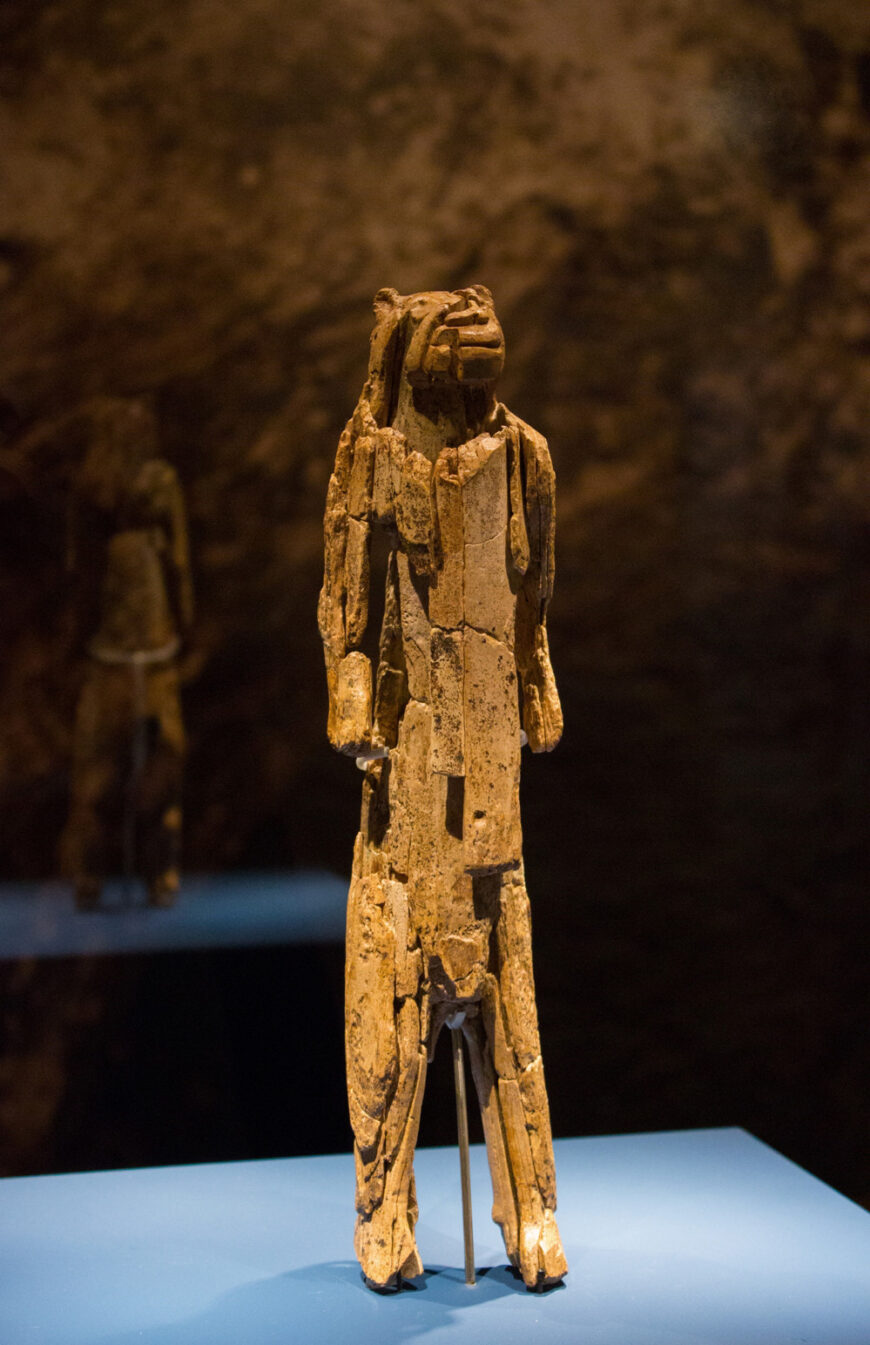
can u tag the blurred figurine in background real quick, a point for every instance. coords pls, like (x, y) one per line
(128, 550)
(438, 928)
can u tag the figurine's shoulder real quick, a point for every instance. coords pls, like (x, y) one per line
(532, 442)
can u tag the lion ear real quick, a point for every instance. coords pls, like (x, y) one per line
(483, 292)
(386, 301)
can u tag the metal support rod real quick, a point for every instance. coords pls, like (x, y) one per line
(464, 1166)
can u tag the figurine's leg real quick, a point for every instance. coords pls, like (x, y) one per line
(505, 1055)
(386, 1073)
(160, 803)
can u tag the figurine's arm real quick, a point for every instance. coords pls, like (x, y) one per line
(342, 610)
(534, 482)
(157, 500)
(179, 549)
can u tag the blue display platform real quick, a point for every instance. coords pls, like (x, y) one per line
(230, 910)
(685, 1238)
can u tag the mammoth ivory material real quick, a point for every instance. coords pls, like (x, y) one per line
(438, 916)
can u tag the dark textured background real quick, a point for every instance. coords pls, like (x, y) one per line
(670, 203)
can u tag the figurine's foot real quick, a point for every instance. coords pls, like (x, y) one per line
(87, 892)
(163, 890)
(392, 1286)
(386, 1253)
(393, 1283)
(545, 1282)
(542, 1261)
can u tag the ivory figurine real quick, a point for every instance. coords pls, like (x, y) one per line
(438, 917)
(128, 542)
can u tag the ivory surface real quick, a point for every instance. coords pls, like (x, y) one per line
(438, 915)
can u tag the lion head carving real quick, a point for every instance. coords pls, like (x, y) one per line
(435, 337)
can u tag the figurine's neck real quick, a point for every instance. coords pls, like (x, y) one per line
(443, 414)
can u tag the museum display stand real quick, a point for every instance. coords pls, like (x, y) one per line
(703, 1237)
(226, 910)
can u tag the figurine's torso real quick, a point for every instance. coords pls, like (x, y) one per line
(135, 613)
(458, 627)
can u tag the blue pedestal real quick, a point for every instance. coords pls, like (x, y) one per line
(691, 1238)
(230, 910)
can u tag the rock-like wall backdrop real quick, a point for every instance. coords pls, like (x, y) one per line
(669, 200)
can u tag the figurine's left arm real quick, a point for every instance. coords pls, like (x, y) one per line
(179, 550)
(161, 502)
(542, 711)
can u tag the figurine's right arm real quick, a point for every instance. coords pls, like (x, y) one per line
(179, 549)
(342, 611)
